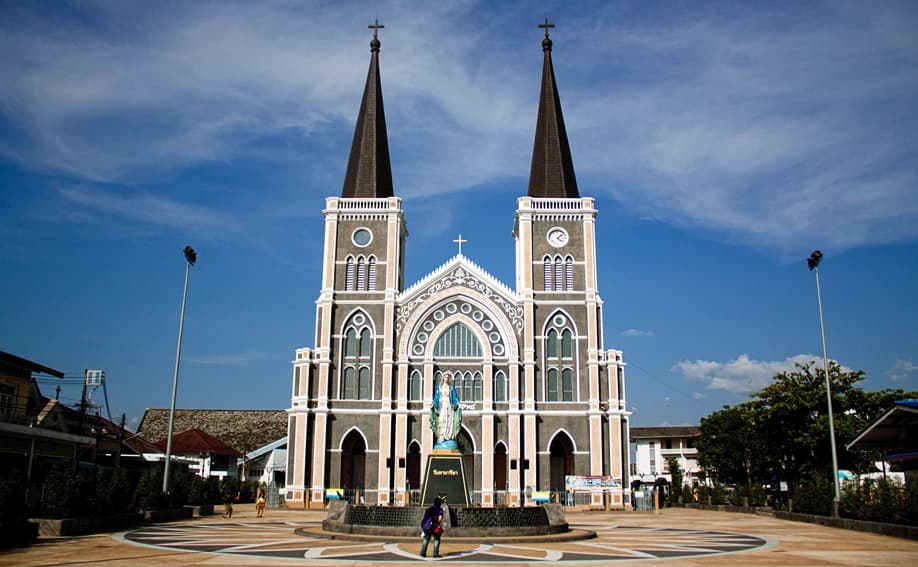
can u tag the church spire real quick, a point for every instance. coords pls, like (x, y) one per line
(369, 172)
(552, 171)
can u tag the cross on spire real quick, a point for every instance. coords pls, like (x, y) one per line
(546, 25)
(460, 241)
(376, 27)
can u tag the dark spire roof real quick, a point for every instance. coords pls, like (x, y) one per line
(552, 171)
(369, 172)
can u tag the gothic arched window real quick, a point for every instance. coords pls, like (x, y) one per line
(458, 342)
(551, 344)
(547, 271)
(349, 274)
(365, 343)
(559, 274)
(356, 360)
(349, 375)
(371, 274)
(560, 363)
(414, 385)
(361, 273)
(500, 386)
(569, 273)
(350, 343)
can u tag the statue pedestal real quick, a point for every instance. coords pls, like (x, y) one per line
(445, 474)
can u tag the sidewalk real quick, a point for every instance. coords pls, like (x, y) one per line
(789, 543)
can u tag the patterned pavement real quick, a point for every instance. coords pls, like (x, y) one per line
(277, 540)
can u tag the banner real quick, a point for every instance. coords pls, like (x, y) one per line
(590, 482)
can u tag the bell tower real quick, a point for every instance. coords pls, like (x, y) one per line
(564, 367)
(352, 365)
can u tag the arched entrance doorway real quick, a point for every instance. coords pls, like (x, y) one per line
(414, 466)
(468, 463)
(500, 467)
(353, 461)
(561, 461)
(500, 475)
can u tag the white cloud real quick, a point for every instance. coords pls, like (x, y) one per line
(142, 207)
(902, 370)
(226, 359)
(768, 127)
(636, 333)
(742, 375)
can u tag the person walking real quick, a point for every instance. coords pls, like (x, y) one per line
(260, 503)
(432, 526)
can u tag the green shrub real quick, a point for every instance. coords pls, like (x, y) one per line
(880, 501)
(66, 493)
(12, 499)
(718, 495)
(113, 491)
(814, 496)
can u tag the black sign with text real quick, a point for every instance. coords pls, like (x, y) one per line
(445, 475)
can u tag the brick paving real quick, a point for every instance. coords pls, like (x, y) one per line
(672, 537)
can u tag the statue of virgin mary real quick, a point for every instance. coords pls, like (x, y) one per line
(445, 415)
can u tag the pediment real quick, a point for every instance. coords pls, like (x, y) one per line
(459, 272)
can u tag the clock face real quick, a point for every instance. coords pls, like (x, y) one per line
(557, 237)
(362, 237)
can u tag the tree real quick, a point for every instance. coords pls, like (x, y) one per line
(793, 418)
(675, 472)
(783, 432)
(729, 448)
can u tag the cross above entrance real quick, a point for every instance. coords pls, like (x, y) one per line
(460, 241)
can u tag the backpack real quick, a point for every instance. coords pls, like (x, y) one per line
(427, 523)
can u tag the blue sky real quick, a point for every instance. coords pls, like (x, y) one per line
(723, 142)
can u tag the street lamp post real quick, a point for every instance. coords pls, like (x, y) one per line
(190, 258)
(813, 263)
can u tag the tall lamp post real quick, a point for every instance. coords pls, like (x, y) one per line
(190, 258)
(813, 263)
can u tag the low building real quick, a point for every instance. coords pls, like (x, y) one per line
(205, 454)
(244, 431)
(652, 446)
(267, 464)
(895, 433)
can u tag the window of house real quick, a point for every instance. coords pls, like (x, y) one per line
(7, 399)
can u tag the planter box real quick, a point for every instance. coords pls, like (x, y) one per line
(168, 515)
(18, 534)
(87, 525)
(201, 510)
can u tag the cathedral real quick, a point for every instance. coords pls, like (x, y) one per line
(542, 401)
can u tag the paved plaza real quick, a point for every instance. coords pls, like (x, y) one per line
(289, 537)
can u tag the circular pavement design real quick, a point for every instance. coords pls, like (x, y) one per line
(278, 541)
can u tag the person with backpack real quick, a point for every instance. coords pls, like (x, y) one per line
(432, 526)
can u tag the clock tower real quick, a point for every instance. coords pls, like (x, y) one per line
(564, 366)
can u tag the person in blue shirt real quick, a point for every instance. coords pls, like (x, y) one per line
(432, 526)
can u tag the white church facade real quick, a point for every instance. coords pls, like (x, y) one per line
(542, 400)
